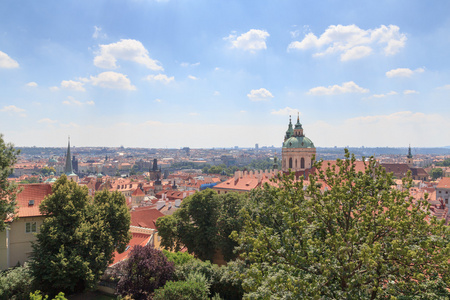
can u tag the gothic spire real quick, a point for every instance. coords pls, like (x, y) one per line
(68, 167)
(409, 152)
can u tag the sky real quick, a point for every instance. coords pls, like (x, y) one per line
(214, 73)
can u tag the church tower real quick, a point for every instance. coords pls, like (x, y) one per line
(298, 150)
(68, 169)
(409, 158)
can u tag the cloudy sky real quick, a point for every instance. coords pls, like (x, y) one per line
(214, 73)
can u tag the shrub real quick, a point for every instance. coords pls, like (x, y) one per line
(182, 290)
(178, 258)
(16, 283)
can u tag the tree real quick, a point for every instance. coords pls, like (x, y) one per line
(8, 190)
(436, 173)
(145, 270)
(78, 237)
(47, 170)
(342, 234)
(203, 224)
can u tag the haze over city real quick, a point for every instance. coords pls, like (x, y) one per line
(224, 73)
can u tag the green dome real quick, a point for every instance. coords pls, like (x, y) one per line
(298, 142)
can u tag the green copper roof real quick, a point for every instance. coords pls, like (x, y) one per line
(298, 142)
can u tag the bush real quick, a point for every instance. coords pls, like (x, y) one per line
(16, 283)
(178, 258)
(144, 271)
(38, 296)
(222, 280)
(182, 290)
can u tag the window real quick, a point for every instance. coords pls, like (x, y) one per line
(30, 227)
(302, 163)
(290, 163)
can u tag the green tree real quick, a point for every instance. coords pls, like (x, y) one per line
(78, 237)
(16, 283)
(203, 224)
(8, 190)
(436, 173)
(344, 234)
(47, 170)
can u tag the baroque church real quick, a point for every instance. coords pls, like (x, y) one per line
(298, 150)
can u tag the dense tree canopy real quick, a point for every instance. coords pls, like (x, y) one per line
(203, 224)
(342, 235)
(8, 190)
(436, 173)
(78, 237)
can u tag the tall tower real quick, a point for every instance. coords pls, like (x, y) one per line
(68, 167)
(409, 158)
(298, 150)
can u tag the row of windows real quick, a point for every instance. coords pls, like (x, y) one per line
(445, 192)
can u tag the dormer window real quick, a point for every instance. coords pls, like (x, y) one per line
(30, 202)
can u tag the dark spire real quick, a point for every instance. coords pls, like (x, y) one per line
(409, 152)
(68, 167)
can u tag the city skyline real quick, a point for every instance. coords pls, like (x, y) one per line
(204, 74)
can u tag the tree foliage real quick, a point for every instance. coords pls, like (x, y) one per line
(436, 173)
(145, 270)
(78, 237)
(344, 234)
(203, 224)
(16, 283)
(8, 190)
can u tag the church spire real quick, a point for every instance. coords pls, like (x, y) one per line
(290, 131)
(68, 167)
(409, 152)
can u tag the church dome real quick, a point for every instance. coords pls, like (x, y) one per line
(298, 142)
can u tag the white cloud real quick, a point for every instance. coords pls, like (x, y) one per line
(72, 101)
(186, 64)
(53, 88)
(131, 50)
(47, 121)
(192, 77)
(409, 92)
(32, 84)
(7, 62)
(158, 100)
(356, 53)
(160, 77)
(216, 93)
(194, 114)
(98, 33)
(403, 72)
(260, 95)
(73, 85)
(445, 87)
(347, 87)
(353, 42)
(391, 93)
(287, 111)
(12, 109)
(112, 80)
(252, 40)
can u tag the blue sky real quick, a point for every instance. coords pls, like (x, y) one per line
(224, 73)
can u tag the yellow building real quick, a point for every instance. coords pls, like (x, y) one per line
(15, 242)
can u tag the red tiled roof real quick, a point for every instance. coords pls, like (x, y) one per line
(145, 217)
(136, 239)
(138, 192)
(34, 191)
(444, 183)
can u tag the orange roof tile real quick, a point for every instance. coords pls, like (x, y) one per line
(34, 191)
